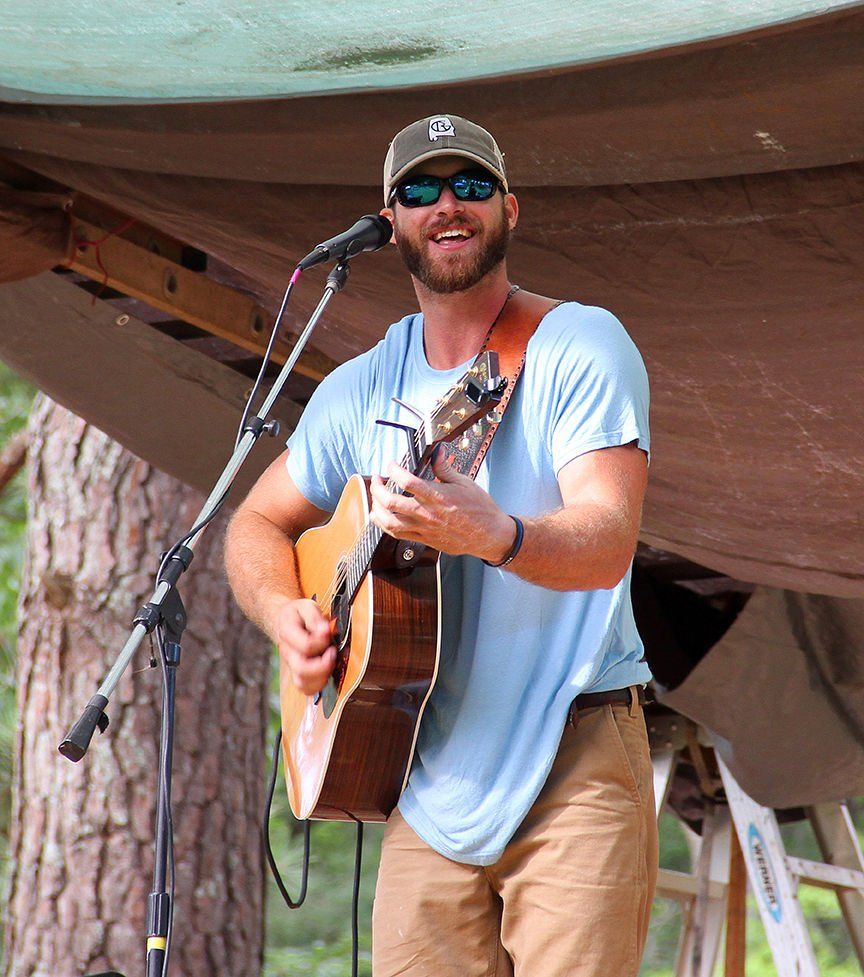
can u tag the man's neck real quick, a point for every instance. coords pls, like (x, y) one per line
(455, 325)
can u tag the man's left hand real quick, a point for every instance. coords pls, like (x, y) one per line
(453, 515)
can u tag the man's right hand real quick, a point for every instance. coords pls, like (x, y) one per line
(262, 569)
(305, 642)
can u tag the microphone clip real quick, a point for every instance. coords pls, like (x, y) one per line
(338, 277)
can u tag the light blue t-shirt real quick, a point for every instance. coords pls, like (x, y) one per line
(513, 655)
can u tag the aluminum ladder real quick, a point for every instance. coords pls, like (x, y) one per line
(741, 843)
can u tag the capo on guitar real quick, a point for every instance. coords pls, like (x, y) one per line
(411, 434)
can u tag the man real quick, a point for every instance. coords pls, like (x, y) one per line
(525, 840)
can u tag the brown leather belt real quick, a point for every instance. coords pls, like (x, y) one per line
(591, 700)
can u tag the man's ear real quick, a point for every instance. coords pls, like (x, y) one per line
(511, 209)
(390, 216)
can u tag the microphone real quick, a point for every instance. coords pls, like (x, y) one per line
(369, 234)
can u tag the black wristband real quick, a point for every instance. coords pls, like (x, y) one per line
(514, 549)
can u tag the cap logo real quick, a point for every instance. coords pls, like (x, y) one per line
(440, 126)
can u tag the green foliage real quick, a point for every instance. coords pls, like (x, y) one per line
(315, 940)
(15, 398)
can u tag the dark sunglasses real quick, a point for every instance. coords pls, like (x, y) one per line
(423, 190)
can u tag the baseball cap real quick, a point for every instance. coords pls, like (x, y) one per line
(440, 135)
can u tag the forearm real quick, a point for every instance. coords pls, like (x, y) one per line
(261, 567)
(585, 546)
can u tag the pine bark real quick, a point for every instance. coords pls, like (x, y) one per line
(12, 458)
(81, 847)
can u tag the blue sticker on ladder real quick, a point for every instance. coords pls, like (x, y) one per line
(763, 876)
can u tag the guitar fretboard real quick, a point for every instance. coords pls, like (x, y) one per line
(359, 557)
(466, 401)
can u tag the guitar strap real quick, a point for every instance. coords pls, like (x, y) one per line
(508, 336)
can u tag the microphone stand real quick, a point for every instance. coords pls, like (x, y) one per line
(165, 610)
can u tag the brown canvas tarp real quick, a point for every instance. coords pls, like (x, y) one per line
(743, 293)
(34, 231)
(710, 194)
(783, 694)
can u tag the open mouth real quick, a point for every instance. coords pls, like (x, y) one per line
(451, 237)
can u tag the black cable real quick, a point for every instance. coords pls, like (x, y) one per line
(271, 860)
(355, 902)
(192, 532)
(163, 660)
(166, 795)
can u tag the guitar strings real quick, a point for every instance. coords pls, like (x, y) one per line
(361, 544)
(362, 541)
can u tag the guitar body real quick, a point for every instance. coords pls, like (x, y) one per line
(347, 757)
(348, 750)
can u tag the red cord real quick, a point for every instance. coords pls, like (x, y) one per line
(84, 242)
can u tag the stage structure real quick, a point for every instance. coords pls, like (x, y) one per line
(704, 179)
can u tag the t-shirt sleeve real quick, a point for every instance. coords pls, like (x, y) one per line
(597, 392)
(321, 455)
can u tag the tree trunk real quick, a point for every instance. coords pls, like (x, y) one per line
(12, 458)
(81, 855)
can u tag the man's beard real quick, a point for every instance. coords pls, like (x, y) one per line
(459, 274)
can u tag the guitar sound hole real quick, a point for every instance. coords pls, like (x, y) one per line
(341, 611)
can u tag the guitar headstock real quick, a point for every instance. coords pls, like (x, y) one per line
(475, 393)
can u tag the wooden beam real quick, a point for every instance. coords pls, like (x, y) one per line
(90, 211)
(838, 841)
(170, 405)
(683, 887)
(736, 910)
(156, 279)
(826, 876)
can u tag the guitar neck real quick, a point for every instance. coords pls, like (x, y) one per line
(359, 558)
(468, 400)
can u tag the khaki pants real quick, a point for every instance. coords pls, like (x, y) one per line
(571, 895)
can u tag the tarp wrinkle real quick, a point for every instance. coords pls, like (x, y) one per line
(782, 692)
(34, 231)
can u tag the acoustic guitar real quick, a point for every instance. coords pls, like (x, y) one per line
(348, 750)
